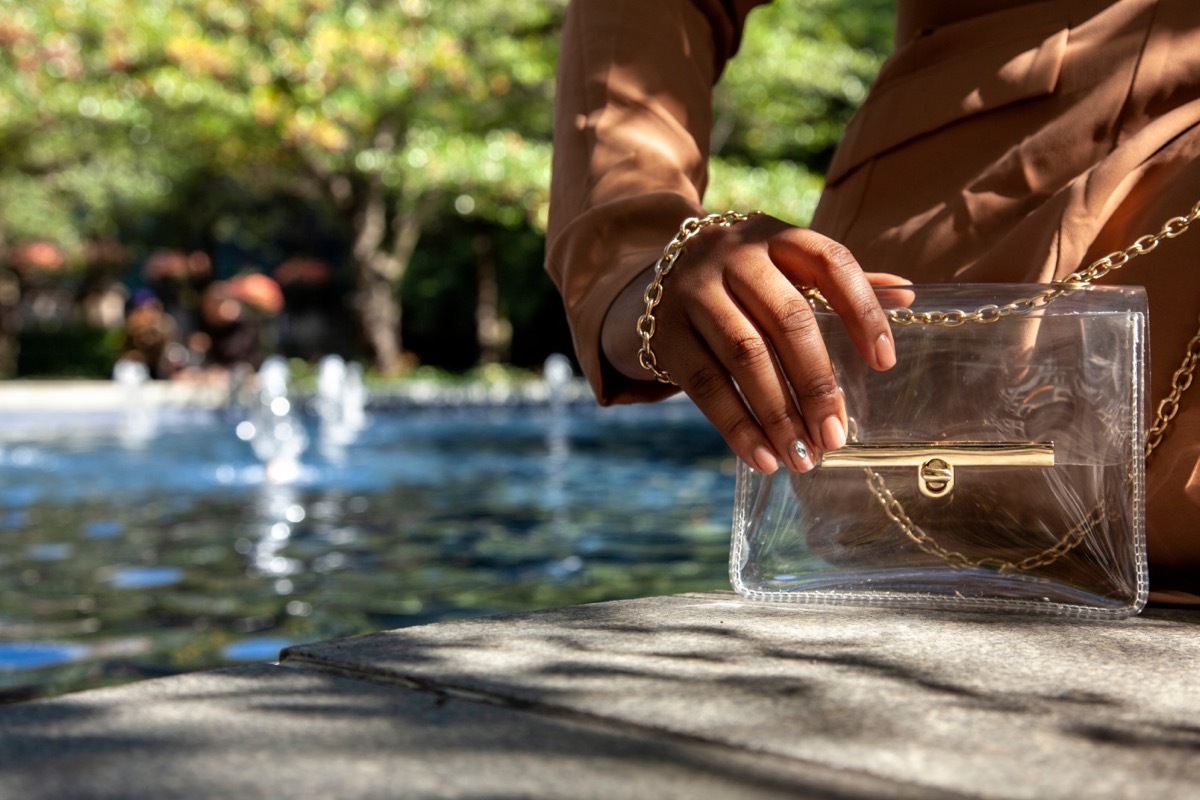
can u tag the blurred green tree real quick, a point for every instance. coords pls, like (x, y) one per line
(779, 109)
(387, 118)
(384, 113)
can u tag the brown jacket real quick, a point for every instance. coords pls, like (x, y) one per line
(1002, 141)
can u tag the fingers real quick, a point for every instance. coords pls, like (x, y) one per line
(750, 360)
(886, 279)
(720, 358)
(810, 259)
(743, 342)
(766, 440)
(798, 353)
(886, 292)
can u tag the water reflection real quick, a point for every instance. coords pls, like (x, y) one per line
(340, 405)
(103, 528)
(557, 374)
(144, 577)
(274, 429)
(186, 555)
(259, 648)
(19, 656)
(278, 509)
(138, 423)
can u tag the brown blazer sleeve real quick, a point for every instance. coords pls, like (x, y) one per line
(631, 134)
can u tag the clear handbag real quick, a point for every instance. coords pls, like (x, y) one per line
(995, 466)
(999, 466)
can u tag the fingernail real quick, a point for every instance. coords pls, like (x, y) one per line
(885, 352)
(765, 460)
(804, 457)
(832, 433)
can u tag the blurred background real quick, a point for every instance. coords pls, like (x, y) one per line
(322, 215)
(200, 183)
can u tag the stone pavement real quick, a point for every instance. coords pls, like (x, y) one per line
(693, 696)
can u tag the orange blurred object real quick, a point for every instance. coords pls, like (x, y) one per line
(38, 256)
(303, 270)
(257, 290)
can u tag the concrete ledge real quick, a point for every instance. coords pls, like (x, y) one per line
(687, 696)
(985, 705)
(272, 732)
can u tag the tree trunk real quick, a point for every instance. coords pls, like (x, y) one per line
(492, 331)
(377, 269)
(379, 315)
(378, 272)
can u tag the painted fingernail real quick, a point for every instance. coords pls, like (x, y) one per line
(832, 433)
(765, 460)
(804, 461)
(885, 352)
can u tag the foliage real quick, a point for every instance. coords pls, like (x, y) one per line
(258, 130)
(784, 189)
(802, 69)
(72, 126)
(69, 353)
(440, 327)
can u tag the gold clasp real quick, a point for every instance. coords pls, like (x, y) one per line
(936, 478)
(935, 461)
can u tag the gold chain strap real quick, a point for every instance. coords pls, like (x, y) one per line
(895, 512)
(927, 544)
(987, 314)
(646, 324)
(1168, 407)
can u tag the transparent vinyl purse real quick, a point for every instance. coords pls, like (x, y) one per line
(1000, 465)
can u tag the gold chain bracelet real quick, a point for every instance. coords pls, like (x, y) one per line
(646, 324)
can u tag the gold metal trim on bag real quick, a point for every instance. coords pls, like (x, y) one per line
(936, 461)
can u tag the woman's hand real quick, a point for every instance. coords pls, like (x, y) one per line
(735, 333)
